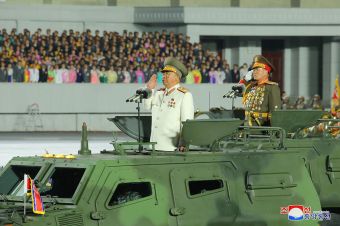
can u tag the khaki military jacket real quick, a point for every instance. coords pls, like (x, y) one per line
(260, 100)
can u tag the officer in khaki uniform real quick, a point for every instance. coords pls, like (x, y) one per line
(325, 128)
(335, 131)
(170, 106)
(261, 96)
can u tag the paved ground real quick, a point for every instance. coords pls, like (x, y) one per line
(33, 143)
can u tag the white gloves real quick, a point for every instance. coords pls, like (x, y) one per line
(248, 76)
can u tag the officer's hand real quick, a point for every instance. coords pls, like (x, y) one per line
(320, 127)
(152, 82)
(249, 76)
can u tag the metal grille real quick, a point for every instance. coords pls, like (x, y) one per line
(70, 220)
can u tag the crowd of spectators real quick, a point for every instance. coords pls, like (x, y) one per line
(130, 57)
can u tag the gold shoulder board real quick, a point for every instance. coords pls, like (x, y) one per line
(182, 89)
(271, 83)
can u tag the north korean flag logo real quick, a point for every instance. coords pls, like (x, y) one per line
(295, 212)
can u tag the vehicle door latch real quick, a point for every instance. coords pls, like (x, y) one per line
(176, 211)
(98, 215)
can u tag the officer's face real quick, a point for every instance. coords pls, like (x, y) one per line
(260, 74)
(170, 79)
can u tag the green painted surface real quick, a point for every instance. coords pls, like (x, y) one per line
(250, 189)
(241, 181)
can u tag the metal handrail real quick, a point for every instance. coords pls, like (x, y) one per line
(271, 130)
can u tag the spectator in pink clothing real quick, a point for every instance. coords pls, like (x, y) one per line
(140, 77)
(73, 57)
(131, 58)
(72, 74)
(94, 75)
(37, 56)
(127, 76)
(162, 44)
(64, 74)
(147, 44)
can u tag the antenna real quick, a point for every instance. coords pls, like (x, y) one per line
(84, 145)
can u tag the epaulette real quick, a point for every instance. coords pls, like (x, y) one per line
(271, 83)
(161, 89)
(182, 89)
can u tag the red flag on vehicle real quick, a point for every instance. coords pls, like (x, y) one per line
(27, 184)
(37, 203)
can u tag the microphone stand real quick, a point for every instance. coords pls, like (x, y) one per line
(232, 95)
(137, 99)
(138, 118)
(233, 102)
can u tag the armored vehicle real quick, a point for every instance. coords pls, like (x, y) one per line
(221, 179)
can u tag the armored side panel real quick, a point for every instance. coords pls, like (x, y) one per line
(270, 182)
(322, 158)
(293, 120)
(129, 126)
(216, 113)
(206, 131)
(321, 154)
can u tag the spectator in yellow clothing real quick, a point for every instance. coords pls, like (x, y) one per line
(112, 75)
(189, 79)
(27, 74)
(197, 75)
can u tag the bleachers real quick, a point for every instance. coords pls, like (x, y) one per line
(107, 57)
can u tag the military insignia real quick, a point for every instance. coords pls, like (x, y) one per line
(271, 83)
(182, 89)
(255, 98)
(172, 103)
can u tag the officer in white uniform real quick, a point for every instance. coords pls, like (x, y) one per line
(170, 106)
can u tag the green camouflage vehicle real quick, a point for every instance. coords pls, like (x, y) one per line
(291, 131)
(228, 177)
(320, 151)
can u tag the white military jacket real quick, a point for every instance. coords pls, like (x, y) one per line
(169, 107)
